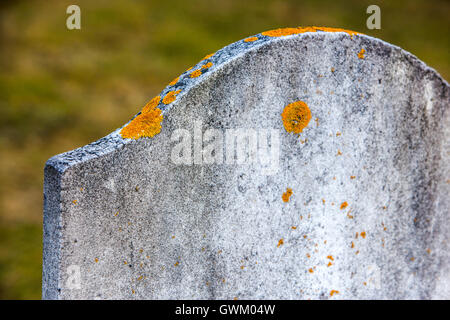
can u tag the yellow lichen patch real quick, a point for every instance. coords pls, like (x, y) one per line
(333, 292)
(75, 201)
(174, 81)
(287, 31)
(344, 205)
(296, 116)
(286, 195)
(361, 54)
(151, 105)
(170, 96)
(195, 74)
(251, 39)
(207, 65)
(147, 124)
(208, 56)
(280, 242)
(290, 31)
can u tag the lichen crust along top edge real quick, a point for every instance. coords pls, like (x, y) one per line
(149, 121)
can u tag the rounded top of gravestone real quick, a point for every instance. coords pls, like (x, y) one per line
(359, 48)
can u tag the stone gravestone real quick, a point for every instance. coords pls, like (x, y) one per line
(299, 163)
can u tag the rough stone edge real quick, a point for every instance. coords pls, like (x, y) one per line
(56, 167)
(220, 60)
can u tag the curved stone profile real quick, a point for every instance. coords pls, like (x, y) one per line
(339, 187)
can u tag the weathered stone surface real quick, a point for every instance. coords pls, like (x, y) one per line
(369, 210)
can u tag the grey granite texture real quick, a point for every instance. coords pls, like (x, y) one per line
(137, 225)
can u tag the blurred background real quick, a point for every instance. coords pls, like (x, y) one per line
(61, 89)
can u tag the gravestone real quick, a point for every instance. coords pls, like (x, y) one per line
(299, 163)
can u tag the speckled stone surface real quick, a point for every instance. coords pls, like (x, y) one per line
(139, 226)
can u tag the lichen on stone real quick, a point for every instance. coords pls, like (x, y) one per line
(361, 54)
(250, 39)
(170, 96)
(196, 73)
(290, 31)
(286, 195)
(146, 124)
(296, 116)
(174, 81)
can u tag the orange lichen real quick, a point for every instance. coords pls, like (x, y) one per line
(296, 116)
(174, 81)
(96, 260)
(332, 69)
(311, 270)
(195, 74)
(329, 264)
(290, 31)
(147, 124)
(339, 153)
(75, 201)
(361, 54)
(344, 205)
(207, 65)
(286, 195)
(176, 264)
(251, 39)
(363, 234)
(208, 56)
(170, 96)
(353, 245)
(280, 242)
(330, 257)
(352, 177)
(294, 227)
(308, 255)
(428, 251)
(333, 292)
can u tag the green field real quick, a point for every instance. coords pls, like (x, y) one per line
(62, 89)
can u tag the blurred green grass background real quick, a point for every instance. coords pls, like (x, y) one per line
(62, 89)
